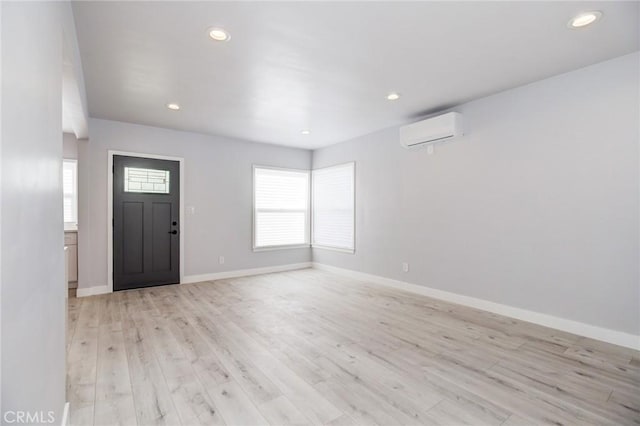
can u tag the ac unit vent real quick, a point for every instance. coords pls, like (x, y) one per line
(435, 129)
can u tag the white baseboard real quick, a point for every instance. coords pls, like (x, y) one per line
(594, 332)
(92, 291)
(244, 272)
(103, 289)
(65, 415)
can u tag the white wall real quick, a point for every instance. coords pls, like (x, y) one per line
(32, 264)
(536, 208)
(218, 183)
(69, 146)
(1, 139)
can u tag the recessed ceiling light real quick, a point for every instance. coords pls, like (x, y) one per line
(305, 132)
(584, 19)
(173, 107)
(393, 96)
(219, 34)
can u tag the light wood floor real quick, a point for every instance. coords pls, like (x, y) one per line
(309, 347)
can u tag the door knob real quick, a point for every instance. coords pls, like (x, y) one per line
(174, 232)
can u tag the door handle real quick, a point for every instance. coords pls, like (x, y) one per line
(174, 232)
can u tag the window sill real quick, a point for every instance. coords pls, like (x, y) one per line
(338, 249)
(70, 227)
(272, 248)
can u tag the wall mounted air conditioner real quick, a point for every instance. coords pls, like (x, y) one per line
(435, 129)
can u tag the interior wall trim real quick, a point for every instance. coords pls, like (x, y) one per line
(581, 329)
(188, 279)
(65, 415)
(92, 291)
(110, 154)
(244, 272)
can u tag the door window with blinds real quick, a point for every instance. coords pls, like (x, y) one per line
(333, 195)
(70, 191)
(281, 208)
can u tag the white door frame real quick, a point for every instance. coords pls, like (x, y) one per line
(110, 208)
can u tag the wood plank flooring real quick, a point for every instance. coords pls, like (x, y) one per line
(310, 347)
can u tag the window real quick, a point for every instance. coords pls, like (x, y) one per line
(70, 191)
(149, 181)
(333, 192)
(280, 208)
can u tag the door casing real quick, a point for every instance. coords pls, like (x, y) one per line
(110, 155)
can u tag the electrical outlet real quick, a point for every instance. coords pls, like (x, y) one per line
(221, 260)
(405, 267)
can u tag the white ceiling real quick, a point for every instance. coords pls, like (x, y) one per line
(326, 66)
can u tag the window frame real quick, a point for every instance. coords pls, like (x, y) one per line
(351, 250)
(74, 200)
(307, 225)
(167, 183)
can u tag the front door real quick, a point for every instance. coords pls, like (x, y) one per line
(146, 222)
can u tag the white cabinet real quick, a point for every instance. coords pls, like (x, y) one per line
(71, 242)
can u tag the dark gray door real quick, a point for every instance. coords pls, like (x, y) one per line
(146, 222)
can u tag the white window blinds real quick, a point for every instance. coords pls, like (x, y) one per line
(333, 194)
(70, 191)
(281, 207)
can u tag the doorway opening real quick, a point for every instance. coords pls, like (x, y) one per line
(146, 213)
